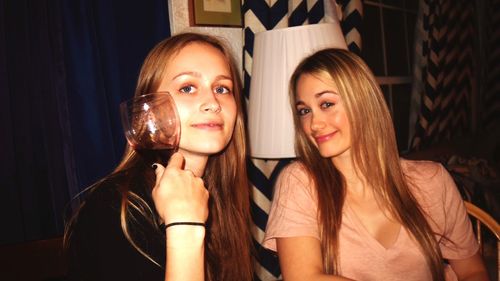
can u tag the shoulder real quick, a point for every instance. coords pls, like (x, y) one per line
(421, 168)
(429, 181)
(294, 181)
(104, 196)
(431, 184)
(96, 225)
(99, 209)
(108, 193)
(296, 171)
(293, 176)
(104, 202)
(425, 175)
(294, 208)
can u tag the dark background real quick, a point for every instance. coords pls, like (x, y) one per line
(64, 68)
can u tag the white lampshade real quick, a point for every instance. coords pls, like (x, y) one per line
(276, 53)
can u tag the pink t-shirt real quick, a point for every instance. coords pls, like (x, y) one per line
(362, 257)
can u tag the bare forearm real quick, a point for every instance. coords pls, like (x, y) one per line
(479, 276)
(185, 253)
(318, 277)
(471, 268)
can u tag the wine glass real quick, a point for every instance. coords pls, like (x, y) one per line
(151, 126)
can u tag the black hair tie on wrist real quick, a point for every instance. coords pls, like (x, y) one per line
(184, 223)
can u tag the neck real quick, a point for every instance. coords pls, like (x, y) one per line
(195, 163)
(345, 164)
(355, 180)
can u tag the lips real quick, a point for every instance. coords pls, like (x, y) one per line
(208, 126)
(323, 138)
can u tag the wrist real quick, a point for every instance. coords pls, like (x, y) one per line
(185, 235)
(189, 223)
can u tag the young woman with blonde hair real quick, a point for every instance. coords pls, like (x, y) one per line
(349, 207)
(124, 229)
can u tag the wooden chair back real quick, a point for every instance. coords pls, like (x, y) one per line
(481, 221)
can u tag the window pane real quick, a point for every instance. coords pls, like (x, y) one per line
(410, 23)
(401, 100)
(387, 95)
(372, 42)
(412, 5)
(394, 3)
(395, 43)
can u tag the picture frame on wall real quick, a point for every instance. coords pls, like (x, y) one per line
(215, 13)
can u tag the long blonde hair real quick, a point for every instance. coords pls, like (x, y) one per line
(374, 151)
(228, 238)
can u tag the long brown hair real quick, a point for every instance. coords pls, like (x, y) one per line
(228, 239)
(375, 156)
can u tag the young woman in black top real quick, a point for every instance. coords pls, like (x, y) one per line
(119, 232)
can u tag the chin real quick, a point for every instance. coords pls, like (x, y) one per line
(324, 155)
(327, 153)
(211, 149)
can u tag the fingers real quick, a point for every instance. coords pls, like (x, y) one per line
(179, 195)
(176, 161)
(159, 169)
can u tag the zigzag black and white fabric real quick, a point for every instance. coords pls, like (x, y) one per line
(444, 70)
(352, 15)
(262, 15)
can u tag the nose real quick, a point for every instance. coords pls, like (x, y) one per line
(317, 122)
(210, 104)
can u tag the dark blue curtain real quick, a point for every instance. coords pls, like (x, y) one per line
(64, 67)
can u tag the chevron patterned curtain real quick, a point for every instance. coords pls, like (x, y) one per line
(352, 15)
(262, 15)
(444, 71)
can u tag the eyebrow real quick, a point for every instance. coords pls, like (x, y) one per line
(198, 75)
(317, 95)
(190, 73)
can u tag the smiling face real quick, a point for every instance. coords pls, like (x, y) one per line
(200, 82)
(322, 116)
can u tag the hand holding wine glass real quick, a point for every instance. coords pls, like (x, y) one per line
(179, 195)
(151, 126)
(152, 129)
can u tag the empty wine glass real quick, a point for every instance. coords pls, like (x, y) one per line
(151, 126)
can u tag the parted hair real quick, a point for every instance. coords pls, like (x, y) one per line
(374, 151)
(228, 254)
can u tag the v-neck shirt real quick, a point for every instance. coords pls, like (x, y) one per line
(294, 213)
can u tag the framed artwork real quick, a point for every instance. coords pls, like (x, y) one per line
(215, 12)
